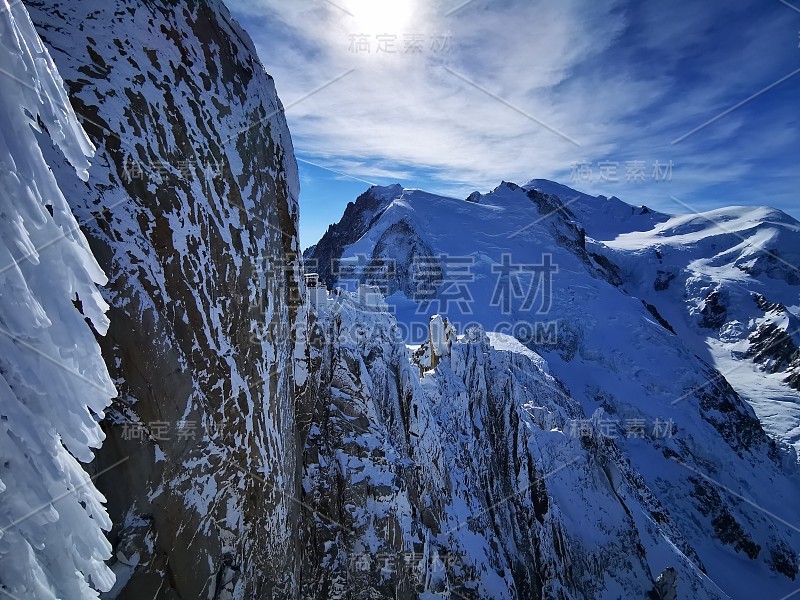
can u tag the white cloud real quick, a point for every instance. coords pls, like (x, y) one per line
(562, 63)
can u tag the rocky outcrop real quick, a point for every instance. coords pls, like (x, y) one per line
(191, 209)
(774, 264)
(772, 343)
(775, 349)
(402, 261)
(657, 315)
(713, 311)
(663, 280)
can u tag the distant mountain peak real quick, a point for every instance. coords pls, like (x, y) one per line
(387, 192)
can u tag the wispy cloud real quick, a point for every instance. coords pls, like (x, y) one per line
(624, 79)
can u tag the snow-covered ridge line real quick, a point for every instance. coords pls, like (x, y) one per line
(54, 385)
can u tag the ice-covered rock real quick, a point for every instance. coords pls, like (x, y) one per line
(54, 386)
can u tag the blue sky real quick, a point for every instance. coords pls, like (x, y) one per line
(697, 101)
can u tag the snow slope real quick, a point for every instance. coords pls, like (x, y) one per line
(603, 217)
(728, 281)
(54, 386)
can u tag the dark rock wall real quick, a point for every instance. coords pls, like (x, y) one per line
(191, 209)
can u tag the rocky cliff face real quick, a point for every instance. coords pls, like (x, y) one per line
(462, 479)
(191, 210)
(355, 222)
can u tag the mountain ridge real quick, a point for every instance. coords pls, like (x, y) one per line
(624, 329)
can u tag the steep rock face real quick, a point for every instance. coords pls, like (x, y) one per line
(773, 344)
(402, 262)
(191, 209)
(357, 218)
(463, 480)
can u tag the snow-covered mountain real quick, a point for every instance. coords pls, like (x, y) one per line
(577, 279)
(728, 281)
(526, 394)
(463, 480)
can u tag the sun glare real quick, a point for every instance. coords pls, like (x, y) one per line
(382, 16)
